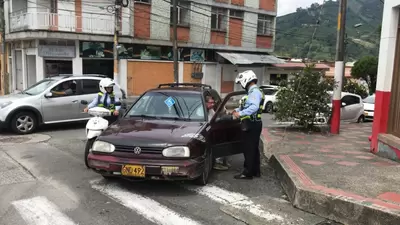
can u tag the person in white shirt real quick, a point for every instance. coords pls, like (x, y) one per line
(222, 162)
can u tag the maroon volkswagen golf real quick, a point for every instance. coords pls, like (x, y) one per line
(167, 135)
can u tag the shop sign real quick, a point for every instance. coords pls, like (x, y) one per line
(53, 51)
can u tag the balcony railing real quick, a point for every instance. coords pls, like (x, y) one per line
(62, 21)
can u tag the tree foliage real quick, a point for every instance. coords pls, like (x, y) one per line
(367, 69)
(304, 97)
(294, 31)
(355, 88)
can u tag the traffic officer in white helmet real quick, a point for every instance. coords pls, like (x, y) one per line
(106, 98)
(250, 116)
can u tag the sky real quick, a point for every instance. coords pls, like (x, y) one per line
(289, 6)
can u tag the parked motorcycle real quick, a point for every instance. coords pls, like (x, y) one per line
(95, 126)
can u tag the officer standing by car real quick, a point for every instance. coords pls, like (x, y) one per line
(107, 99)
(250, 117)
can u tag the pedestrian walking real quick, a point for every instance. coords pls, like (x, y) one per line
(250, 117)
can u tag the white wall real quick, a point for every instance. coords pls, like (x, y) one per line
(66, 16)
(249, 31)
(77, 62)
(31, 73)
(200, 24)
(387, 49)
(210, 78)
(123, 74)
(159, 26)
(252, 3)
(126, 18)
(95, 19)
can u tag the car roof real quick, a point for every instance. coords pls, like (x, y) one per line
(64, 76)
(345, 93)
(181, 87)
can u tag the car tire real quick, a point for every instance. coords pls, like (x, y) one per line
(268, 107)
(208, 164)
(361, 119)
(27, 119)
(89, 144)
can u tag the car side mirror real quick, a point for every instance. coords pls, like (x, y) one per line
(48, 95)
(84, 102)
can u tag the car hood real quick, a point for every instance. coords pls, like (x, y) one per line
(151, 133)
(12, 97)
(369, 106)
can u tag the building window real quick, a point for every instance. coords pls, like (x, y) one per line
(53, 6)
(183, 10)
(144, 1)
(276, 79)
(236, 13)
(219, 19)
(265, 25)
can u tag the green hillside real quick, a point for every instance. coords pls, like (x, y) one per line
(294, 31)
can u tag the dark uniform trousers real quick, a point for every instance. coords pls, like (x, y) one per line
(251, 150)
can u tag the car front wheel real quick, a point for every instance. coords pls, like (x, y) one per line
(23, 123)
(208, 164)
(361, 119)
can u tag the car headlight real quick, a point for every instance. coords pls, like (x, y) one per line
(176, 151)
(101, 146)
(5, 104)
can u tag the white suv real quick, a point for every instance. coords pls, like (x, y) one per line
(25, 111)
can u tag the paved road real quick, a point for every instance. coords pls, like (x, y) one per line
(47, 184)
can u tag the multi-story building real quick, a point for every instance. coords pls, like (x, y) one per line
(48, 37)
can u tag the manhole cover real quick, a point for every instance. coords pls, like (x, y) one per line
(14, 139)
(23, 139)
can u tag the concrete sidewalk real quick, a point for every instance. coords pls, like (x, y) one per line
(335, 177)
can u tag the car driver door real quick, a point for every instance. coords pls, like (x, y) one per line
(225, 133)
(348, 107)
(59, 108)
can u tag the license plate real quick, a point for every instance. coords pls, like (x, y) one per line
(133, 171)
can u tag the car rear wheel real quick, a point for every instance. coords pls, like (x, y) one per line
(268, 107)
(208, 164)
(361, 119)
(89, 144)
(23, 123)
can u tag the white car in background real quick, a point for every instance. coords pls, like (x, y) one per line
(369, 105)
(352, 109)
(270, 97)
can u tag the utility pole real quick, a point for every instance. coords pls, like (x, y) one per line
(175, 37)
(339, 67)
(117, 13)
(3, 50)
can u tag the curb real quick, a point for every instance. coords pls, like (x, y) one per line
(344, 208)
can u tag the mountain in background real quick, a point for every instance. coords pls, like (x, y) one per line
(294, 31)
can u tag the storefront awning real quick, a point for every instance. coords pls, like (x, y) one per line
(247, 59)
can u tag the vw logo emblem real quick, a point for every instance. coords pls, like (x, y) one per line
(137, 150)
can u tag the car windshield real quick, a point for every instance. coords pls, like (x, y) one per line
(39, 87)
(270, 91)
(169, 105)
(370, 99)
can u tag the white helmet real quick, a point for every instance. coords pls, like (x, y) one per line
(244, 78)
(104, 83)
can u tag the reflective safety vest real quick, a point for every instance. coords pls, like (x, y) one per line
(257, 115)
(111, 107)
(243, 102)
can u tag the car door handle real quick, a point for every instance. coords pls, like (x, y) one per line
(75, 101)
